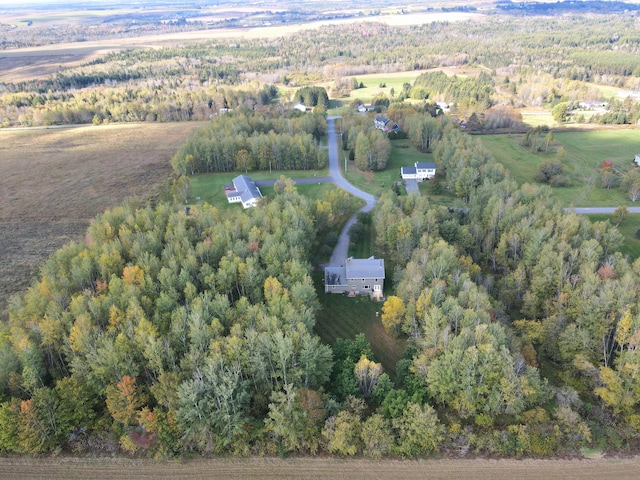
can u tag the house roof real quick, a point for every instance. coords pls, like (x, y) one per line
(246, 187)
(408, 170)
(426, 165)
(364, 267)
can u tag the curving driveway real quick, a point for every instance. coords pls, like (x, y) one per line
(341, 249)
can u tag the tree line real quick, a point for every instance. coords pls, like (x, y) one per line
(246, 140)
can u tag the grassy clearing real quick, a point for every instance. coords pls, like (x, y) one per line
(209, 187)
(343, 317)
(365, 247)
(631, 244)
(585, 153)
(402, 154)
(54, 181)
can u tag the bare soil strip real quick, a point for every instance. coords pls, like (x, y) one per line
(317, 468)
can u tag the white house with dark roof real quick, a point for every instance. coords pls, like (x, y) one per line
(385, 124)
(421, 171)
(357, 276)
(244, 190)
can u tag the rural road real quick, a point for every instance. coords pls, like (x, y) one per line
(588, 210)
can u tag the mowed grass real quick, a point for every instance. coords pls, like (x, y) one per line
(53, 182)
(631, 244)
(341, 316)
(402, 154)
(209, 187)
(585, 153)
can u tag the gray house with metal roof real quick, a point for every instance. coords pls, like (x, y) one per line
(244, 190)
(356, 276)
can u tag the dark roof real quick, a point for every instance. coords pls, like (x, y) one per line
(426, 165)
(408, 171)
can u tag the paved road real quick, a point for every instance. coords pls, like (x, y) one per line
(296, 181)
(586, 210)
(341, 249)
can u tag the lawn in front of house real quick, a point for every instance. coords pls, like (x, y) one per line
(209, 187)
(341, 316)
(402, 154)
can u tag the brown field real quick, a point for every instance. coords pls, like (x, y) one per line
(317, 468)
(54, 181)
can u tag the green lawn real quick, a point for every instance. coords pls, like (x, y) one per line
(402, 154)
(585, 153)
(631, 244)
(209, 187)
(343, 317)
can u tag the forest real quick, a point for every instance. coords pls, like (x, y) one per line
(170, 332)
(165, 333)
(545, 63)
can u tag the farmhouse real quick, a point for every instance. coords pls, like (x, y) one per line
(244, 190)
(419, 172)
(364, 109)
(357, 276)
(637, 160)
(300, 107)
(386, 125)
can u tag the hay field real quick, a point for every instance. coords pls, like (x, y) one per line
(54, 181)
(55, 468)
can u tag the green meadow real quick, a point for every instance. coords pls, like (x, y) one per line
(585, 152)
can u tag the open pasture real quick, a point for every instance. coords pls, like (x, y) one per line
(585, 152)
(54, 181)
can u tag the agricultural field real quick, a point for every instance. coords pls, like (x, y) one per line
(585, 153)
(54, 181)
(70, 468)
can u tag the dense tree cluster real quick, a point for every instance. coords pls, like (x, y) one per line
(470, 94)
(247, 140)
(163, 328)
(368, 146)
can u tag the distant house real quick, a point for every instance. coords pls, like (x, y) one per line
(420, 172)
(357, 276)
(364, 109)
(244, 190)
(300, 106)
(386, 125)
(444, 106)
(637, 159)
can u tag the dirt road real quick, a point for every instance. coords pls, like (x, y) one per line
(317, 468)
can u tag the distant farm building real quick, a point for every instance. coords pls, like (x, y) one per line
(356, 277)
(364, 109)
(244, 190)
(637, 159)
